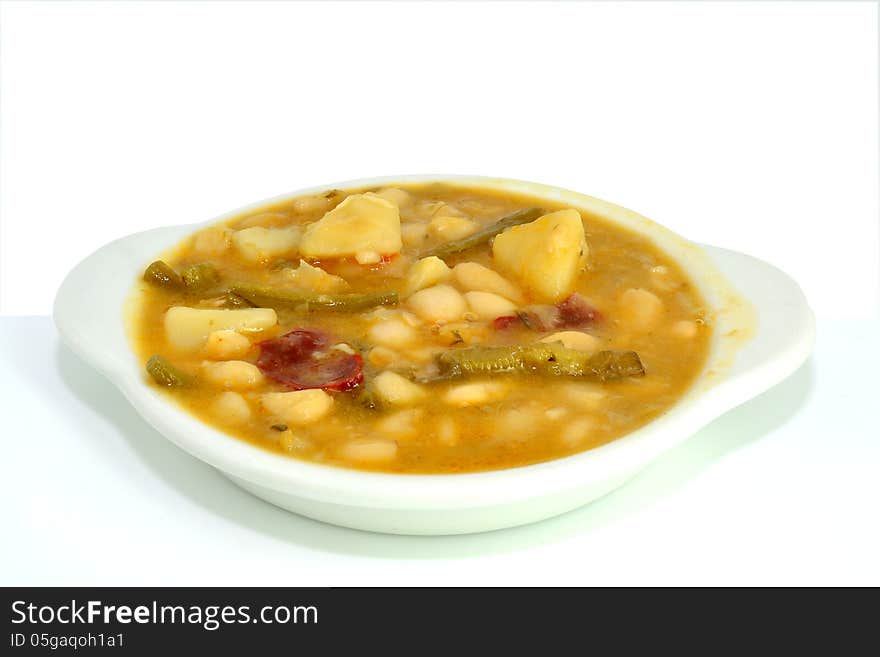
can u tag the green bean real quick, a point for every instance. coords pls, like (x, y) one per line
(166, 374)
(271, 297)
(485, 234)
(549, 359)
(232, 300)
(161, 274)
(201, 277)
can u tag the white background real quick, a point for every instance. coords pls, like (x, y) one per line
(747, 125)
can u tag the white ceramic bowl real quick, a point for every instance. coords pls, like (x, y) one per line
(763, 331)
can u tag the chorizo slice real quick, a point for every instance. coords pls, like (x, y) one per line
(306, 358)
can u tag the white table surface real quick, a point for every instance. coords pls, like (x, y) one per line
(783, 490)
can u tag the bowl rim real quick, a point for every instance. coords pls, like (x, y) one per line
(714, 391)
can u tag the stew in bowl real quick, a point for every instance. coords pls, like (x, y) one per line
(421, 327)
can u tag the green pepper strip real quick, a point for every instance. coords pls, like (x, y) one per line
(271, 297)
(161, 274)
(549, 359)
(166, 374)
(201, 277)
(485, 234)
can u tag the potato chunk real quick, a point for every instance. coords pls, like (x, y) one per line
(211, 242)
(487, 306)
(362, 223)
(258, 244)
(394, 389)
(298, 406)
(472, 276)
(188, 328)
(314, 279)
(440, 303)
(425, 273)
(544, 256)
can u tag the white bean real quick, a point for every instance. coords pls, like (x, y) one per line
(587, 396)
(575, 340)
(446, 228)
(399, 197)
(369, 451)
(487, 305)
(400, 425)
(474, 276)
(640, 309)
(234, 374)
(382, 357)
(475, 394)
(440, 303)
(393, 333)
(226, 344)
(518, 424)
(578, 432)
(232, 407)
(422, 355)
(446, 431)
(298, 406)
(396, 390)
(425, 273)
